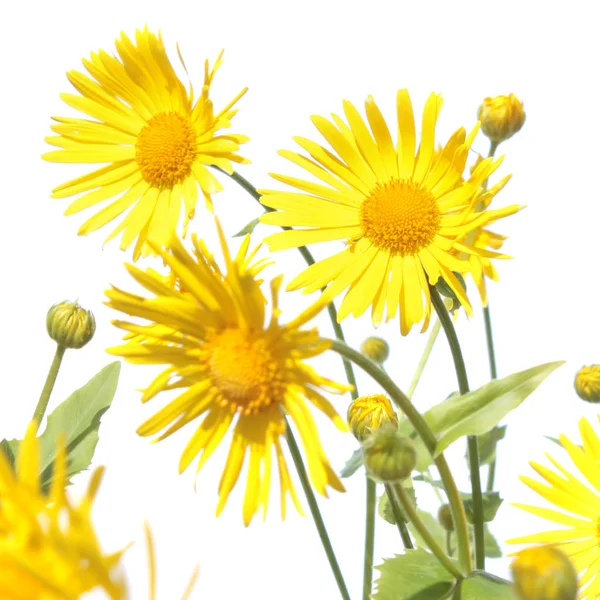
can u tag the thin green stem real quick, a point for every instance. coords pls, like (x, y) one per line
(315, 512)
(422, 428)
(369, 539)
(473, 449)
(491, 473)
(411, 512)
(42, 405)
(449, 549)
(424, 358)
(399, 517)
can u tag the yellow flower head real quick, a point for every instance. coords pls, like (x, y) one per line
(501, 117)
(237, 371)
(48, 547)
(70, 325)
(367, 414)
(155, 139)
(578, 501)
(403, 214)
(587, 383)
(544, 573)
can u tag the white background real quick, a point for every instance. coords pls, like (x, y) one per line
(299, 59)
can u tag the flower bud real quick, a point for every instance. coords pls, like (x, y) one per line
(501, 117)
(367, 414)
(376, 349)
(587, 383)
(389, 456)
(69, 325)
(445, 517)
(544, 573)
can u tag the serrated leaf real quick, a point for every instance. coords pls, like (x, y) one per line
(491, 503)
(414, 575)
(248, 228)
(487, 444)
(477, 412)
(78, 417)
(352, 465)
(384, 506)
(424, 459)
(484, 585)
(433, 526)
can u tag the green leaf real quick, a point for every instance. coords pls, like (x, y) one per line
(352, 464)
(487, 444)
(10, 448)
(78, 417)
(384, 507)
(414, 575)
(433, 526)
(484, 585)
(491, 503)
(477, 412)
(491, 547)
(248, 228)
(424, 459)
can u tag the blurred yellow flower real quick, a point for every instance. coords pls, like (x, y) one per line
(501, 117)
(155, 139)
(48, 546)
(587, 383)
(403, 215)
(208, 326)
(579, 504)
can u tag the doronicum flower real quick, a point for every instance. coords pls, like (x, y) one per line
(587, 383)
(501, 117)
(236, 371)
(48, 546)
(70, 325)
(367, 414)
(154, 138)
(375, 348)
(544, 573)
(579, 508)
(403, 214)
(389, 456)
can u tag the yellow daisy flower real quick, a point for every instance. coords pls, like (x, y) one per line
(48, 546)
(156, 139)
(237, 372)
(403, 215)
(579, 504)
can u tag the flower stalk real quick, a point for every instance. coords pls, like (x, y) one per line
(42, 405)
(399, 517)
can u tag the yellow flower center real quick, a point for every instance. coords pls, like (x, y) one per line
(166, 150)
(244, 369)
(400, 217)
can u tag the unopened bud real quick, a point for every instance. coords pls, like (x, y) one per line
(544, 573)
(367, 414)
(389, 456)
(587, 383)
(445, 517)
(69, 325)
(376, 349)
(501, 117)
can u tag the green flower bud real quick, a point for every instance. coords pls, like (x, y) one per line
(544, 573)
(501, 117)
(445, 517)
(367, 414)
(69, 325)
(389, 456)
(587, 383)
(376, 349)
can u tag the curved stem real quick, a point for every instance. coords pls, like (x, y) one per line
(315, 512)
(422, 428)
(473, 449)
(399, 518)
(414, 518)
(42, 405)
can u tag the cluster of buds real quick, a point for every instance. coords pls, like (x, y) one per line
(388, 456)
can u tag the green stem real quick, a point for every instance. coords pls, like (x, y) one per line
(42, 405)
(473, 449)
(413, 517)
(422, 428)
(369, 539)
(424, 358)
(449, 543)
(316, 514)
(399, 517)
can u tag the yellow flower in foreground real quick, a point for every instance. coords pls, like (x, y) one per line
(579, 504)
(239, 373)
(404, 215)
(156, 140)
(587, 383)
(48, 547)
